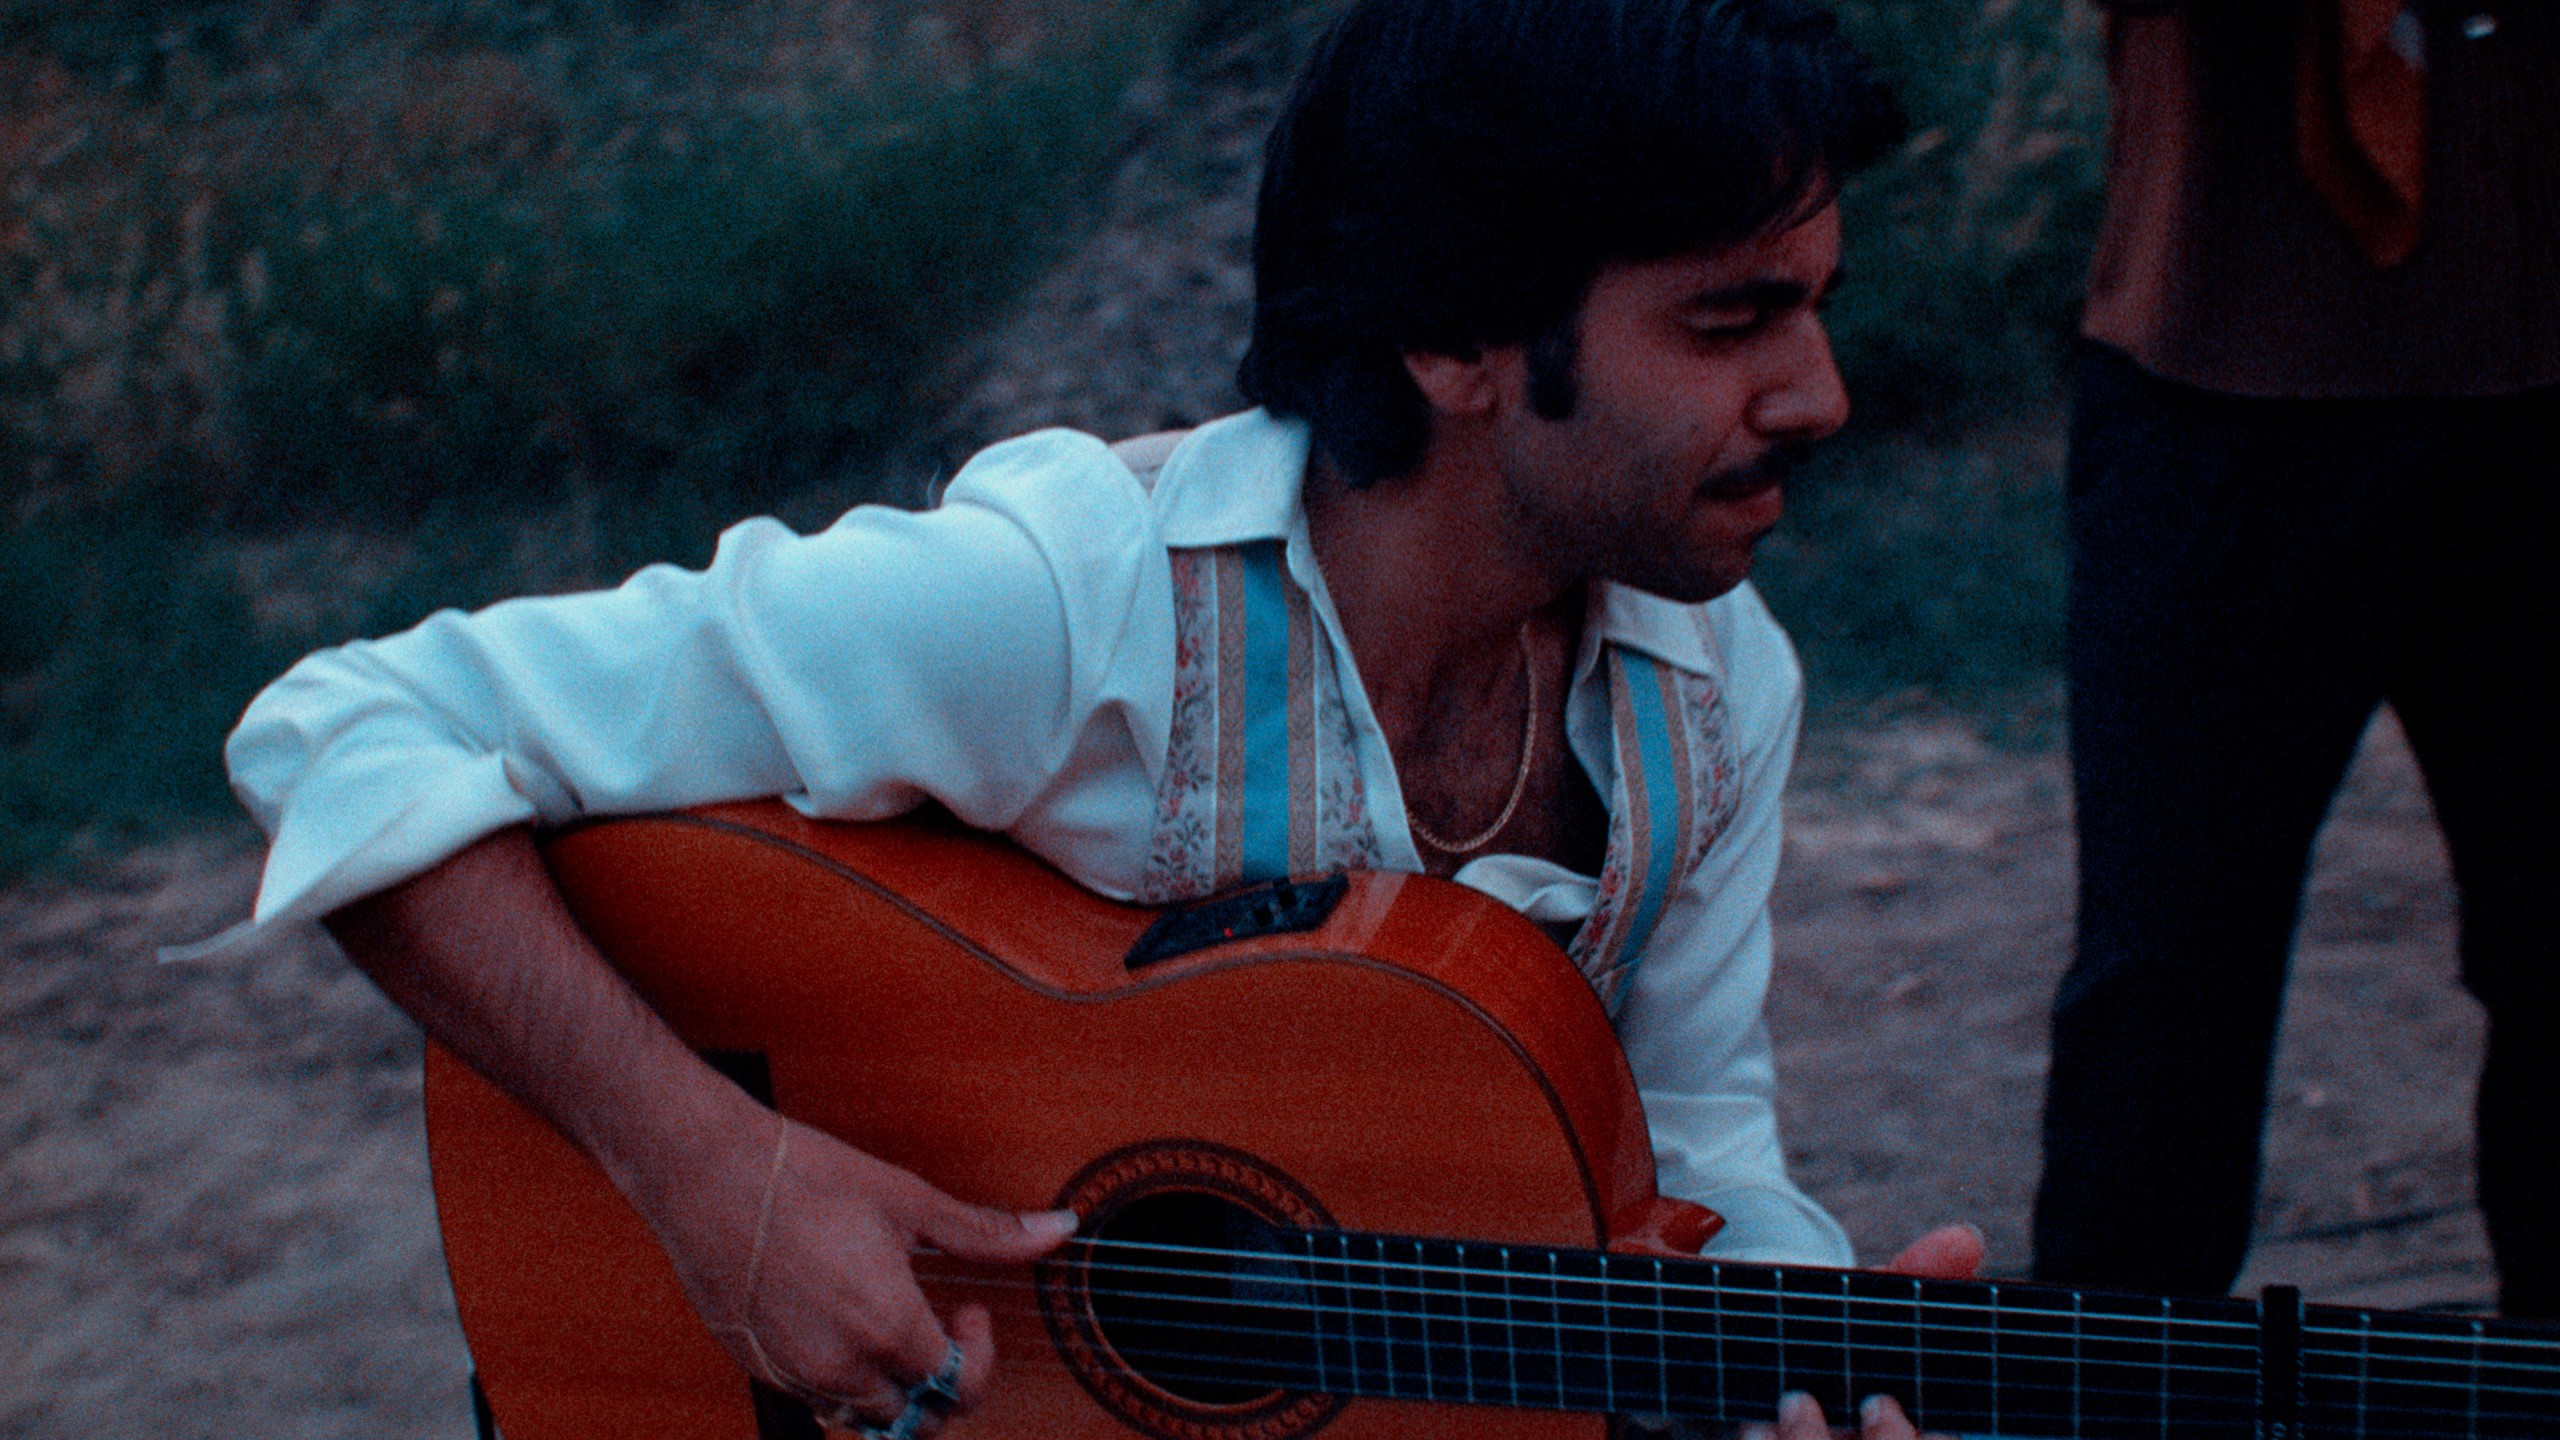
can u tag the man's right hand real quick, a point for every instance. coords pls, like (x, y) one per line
(797, 1251)
(794, 1247)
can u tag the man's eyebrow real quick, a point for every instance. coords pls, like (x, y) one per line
(1765, 294)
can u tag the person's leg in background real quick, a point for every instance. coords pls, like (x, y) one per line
(2483, 642)
(2221, 671)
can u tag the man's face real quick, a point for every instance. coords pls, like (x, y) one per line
(1693, 373)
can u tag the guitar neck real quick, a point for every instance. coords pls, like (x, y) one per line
(1522, 1326)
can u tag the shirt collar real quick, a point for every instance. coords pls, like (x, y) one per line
(1234, 481)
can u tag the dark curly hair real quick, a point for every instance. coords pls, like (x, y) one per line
(1451, 175)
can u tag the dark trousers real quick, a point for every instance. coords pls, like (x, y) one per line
(2251, 579)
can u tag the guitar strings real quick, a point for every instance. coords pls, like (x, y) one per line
(1319, 1310)
(1718, 1400)
(2188, 1411)
(1736, 1300)
(1607, 1397)
(1473, 1388)
(1776, 1295)
(1433, 1380)
(2105, 1343)
(1500, 1385)
(1472, 1346)
(1634, 1334)
(2153, 1326)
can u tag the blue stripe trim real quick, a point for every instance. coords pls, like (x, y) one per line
(1662, 812)
(1265, 827)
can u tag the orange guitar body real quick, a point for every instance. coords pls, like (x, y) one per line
(1423, 1062)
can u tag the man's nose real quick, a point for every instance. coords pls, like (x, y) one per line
(1805, 399)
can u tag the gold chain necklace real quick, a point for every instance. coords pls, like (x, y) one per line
(1519, 782)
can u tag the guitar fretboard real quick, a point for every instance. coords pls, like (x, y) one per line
(1539, 1328)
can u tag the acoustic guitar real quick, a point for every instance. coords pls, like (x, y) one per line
(1357, 1157)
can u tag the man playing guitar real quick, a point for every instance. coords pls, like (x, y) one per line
(1536, 334)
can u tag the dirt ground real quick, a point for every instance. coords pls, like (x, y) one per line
(214, 1214)
(1924, 916)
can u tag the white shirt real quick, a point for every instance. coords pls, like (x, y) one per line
(1009, 654)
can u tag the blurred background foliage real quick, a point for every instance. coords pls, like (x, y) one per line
(305, 304)
(1924, 549)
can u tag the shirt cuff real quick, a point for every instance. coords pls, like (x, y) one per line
(322, 860)
(1766, 1226)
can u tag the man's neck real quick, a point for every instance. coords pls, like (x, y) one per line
(1433, 583)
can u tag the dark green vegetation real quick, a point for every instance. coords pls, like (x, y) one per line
(1924, 548)
(310, 311)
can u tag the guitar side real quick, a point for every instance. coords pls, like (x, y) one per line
(1422, 1063)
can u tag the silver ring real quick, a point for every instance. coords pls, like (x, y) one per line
(939, 1392)
(928, 1400)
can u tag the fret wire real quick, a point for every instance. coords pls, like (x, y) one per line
(2076, 1376)
(1400, 1373)
(1436, 1323)
(1724, 1387)
(1324, 1380)
(1780, 1302)
(1555, 1321)
(1919, 1372)
(1848, 1383)
(1455, 1318)
(1386, 1322)
(2164, 1369)
(1423, 1368)
(1608, 1347)
(1790, 1366)
(1511, 1331)
(1467, 1330)
(2364, 1367)
(1995, 1358)
(1350, 1331)
(1661, 1344)
(2471, 1425)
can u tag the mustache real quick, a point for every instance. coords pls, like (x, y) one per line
(1776, 467)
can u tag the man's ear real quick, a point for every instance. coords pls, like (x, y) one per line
(1455, 384)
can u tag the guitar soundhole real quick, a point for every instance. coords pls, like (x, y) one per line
(1190, 1291)
(1177, 1308)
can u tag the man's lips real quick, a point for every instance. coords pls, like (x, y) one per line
(1756, 479)
(1748, 485)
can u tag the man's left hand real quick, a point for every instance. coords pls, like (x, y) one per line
(1950, 1252)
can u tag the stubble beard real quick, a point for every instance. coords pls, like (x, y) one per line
(1604, 533)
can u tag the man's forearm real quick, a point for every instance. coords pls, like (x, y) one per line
(792, 1246)
(482, 952)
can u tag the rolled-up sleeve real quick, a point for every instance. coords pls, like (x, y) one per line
(955, 655)
(1692, 1023)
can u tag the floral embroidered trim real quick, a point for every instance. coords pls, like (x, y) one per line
(1182, 854)
(1703, 785)
(1198, 844)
